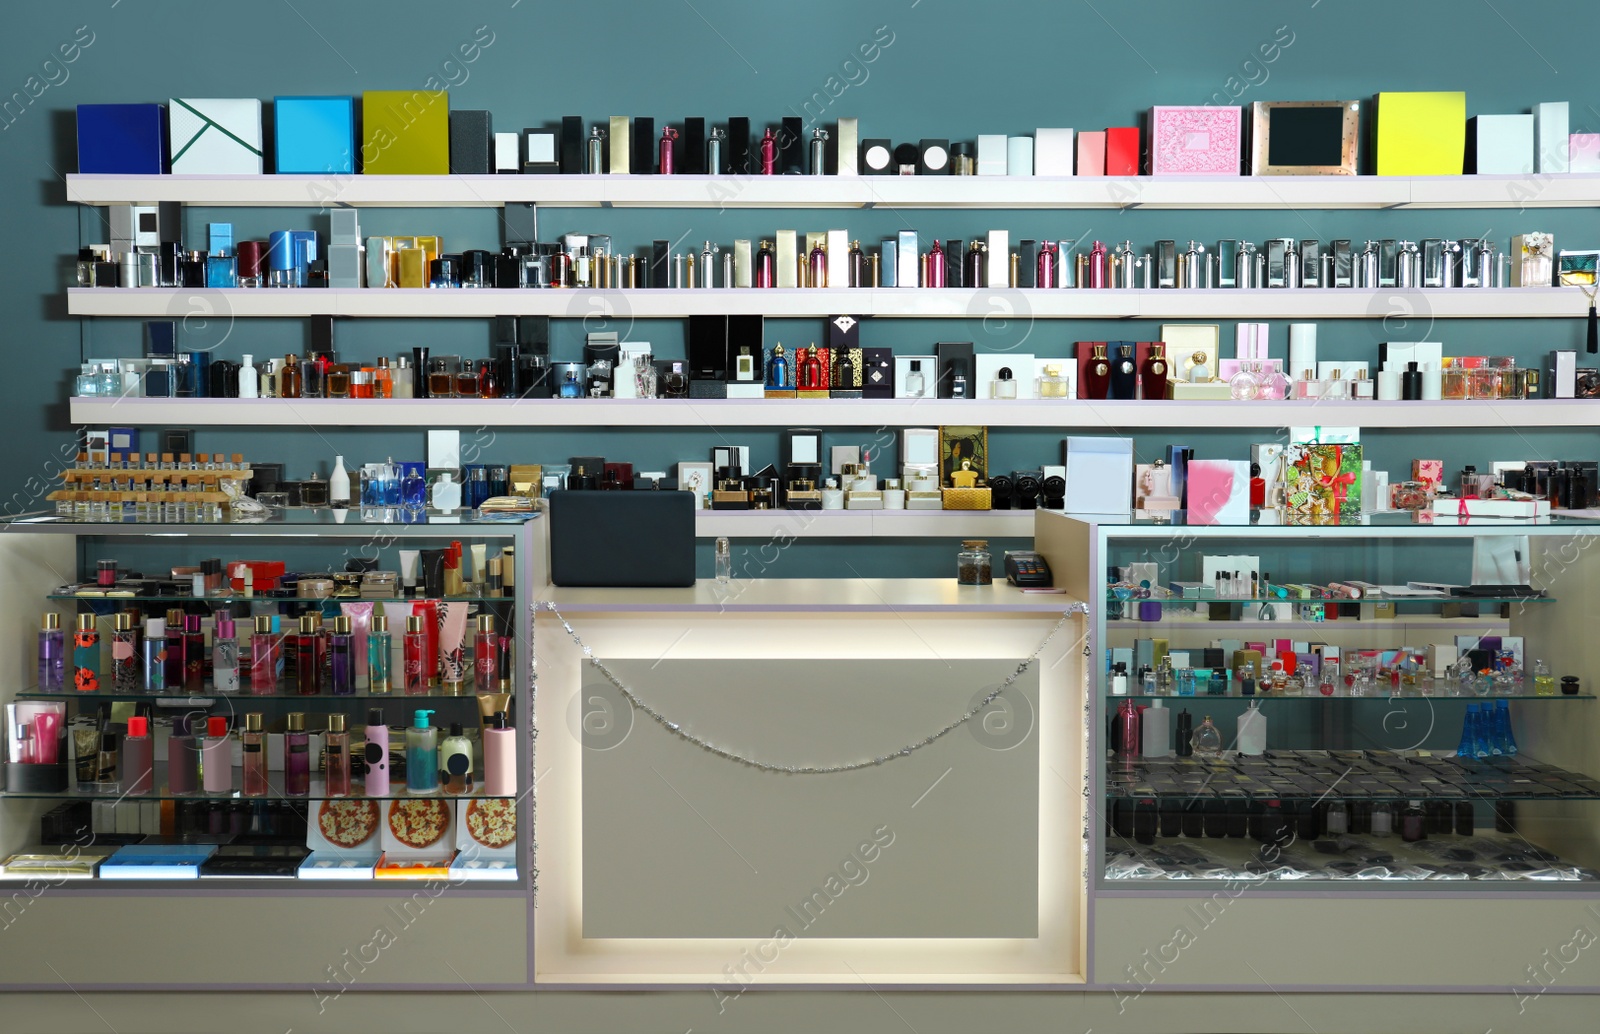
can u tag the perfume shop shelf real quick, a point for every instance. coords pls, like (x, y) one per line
(168, 699)
(709, 413)
(1323, 601)
(717, 192)
(969, 303)
(318, 792)
(1313, 696)
(1372, 774)
(826, 595)
(218, 602)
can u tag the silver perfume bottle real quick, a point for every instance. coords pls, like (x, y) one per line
(819, 152)
(595, 151)
(1122, 263)
(1192, 268)
(714, 150)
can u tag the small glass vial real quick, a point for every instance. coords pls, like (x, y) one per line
(972, 563)
(724, 562)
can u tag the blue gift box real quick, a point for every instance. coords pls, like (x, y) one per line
(122, 138)
(315, 134)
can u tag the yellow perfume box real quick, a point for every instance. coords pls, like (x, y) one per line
(1421, 134)
(405, 133)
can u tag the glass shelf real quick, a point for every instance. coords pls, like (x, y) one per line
(230, 601)
(1179, 601)
(1381, 696)
(1350, 774)
(285, 692)
(318, 792)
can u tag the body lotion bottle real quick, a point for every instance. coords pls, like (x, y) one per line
(422, 755)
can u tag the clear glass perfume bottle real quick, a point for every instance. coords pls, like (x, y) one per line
(916, 384)
(1246, 382)
(296, 757)
(1005, 385)
(253, 742)
(336, 758)
(724, 557)
(1207, 741)
(1051, 384)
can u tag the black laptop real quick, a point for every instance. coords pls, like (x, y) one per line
(637, 539)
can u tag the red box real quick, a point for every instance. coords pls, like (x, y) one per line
(1122, 151)
(264, 574)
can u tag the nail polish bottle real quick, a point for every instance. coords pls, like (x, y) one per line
(377, 753)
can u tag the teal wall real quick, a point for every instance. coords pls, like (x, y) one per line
(946, 71)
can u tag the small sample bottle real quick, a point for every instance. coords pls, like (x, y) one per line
(307, 669)
(485, 655)
(336, 758)
(1544, 682)
(264, 657)
(455, 761)
(377, 753)
(155, 655)
(422, 755)
(138, 758)
(296, 757)
(52, 654)
(499, 757)
(724, 558)
(254, 742)
(378, 644)
(341, 658)
(124, 655)
(415, 655)
(183, 759)
(225, 655)
(216, 758)
(86, 655)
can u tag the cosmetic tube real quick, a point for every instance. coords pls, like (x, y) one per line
(452, 647)
(433, 572)
(408, 571)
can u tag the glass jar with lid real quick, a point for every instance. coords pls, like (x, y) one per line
(972, 563)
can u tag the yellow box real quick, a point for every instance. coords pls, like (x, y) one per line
(966, 498)
(1421, 134)
(405, 133)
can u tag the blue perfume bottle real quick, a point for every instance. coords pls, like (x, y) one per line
(222, 266)
(778, 369)
(570, 388)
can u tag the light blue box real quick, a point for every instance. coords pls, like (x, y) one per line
(315, 134)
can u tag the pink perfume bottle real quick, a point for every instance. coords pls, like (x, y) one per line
(668, 135)
(1097, 266)
(769, 153)
(1046, 274)
(936, 266)
(254, 743)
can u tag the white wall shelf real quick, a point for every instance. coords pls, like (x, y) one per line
(1071, 414)
(981, 303)
(717, 192)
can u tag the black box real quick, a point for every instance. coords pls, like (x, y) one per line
(1027, 263)
(660, 264)
(954, 357)
(571, 149)
(877, 373)
(954, 251)
(792, 146)
(520, 222)
(939, 153)
(691, 149)
(708, 350)
(877, 158)
(642, 157)
(471, 143)
(738, 154)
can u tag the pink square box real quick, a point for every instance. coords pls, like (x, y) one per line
(1195, 141)
(1585, 152)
